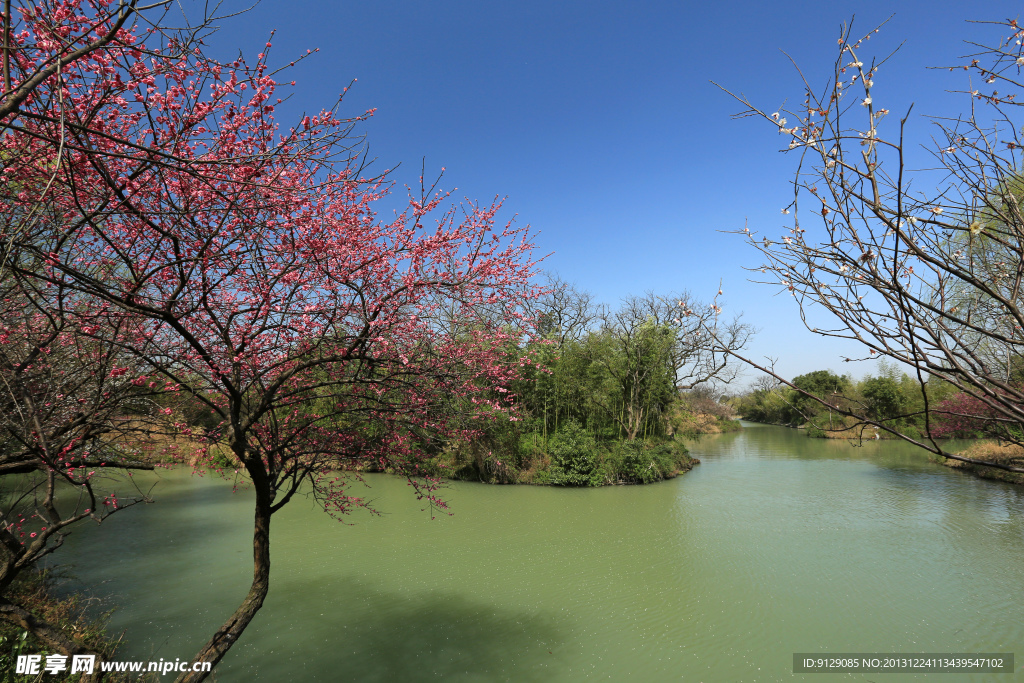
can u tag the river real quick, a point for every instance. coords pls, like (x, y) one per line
(775, 544)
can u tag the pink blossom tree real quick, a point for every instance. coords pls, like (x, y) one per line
(68, 407)
(963, 416)
(64, 398)
(254, 274)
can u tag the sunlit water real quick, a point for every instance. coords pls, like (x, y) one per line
(775, 544)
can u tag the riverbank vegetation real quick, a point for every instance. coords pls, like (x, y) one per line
(991, 452)
(73, 615)
(606, 396)
(824, 403)
(894, 400)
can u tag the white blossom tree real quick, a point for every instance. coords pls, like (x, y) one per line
(924, 267)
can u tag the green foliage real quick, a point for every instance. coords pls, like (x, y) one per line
(822, 383)
(815, 432)
(574, 457)
(12, 644)
(585, 391)
(885, 398)
(726, 425)
(637, 465)
(770, 406)
(891, 397)
(643, 464)
(612, 383)
(223, 459)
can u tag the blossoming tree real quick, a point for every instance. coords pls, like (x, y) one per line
(254, 274)
(64, 399)
(65, 392)
(929, 278)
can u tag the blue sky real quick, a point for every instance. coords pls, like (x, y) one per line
(598, 121)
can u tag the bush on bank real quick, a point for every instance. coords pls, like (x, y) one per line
(573, 456)
(37, 591)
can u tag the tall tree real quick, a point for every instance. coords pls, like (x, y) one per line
(622, 368)
(248, 265)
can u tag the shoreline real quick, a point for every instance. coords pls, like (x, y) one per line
(991, 452)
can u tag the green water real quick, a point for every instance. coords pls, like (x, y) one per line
(775, 544)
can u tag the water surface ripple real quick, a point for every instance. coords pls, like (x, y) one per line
(776, 544)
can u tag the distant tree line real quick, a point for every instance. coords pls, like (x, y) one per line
(824, 401)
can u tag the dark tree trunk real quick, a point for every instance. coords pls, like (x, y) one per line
(226, 635)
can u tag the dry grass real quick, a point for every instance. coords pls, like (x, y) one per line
(845, 427)
(684, 422)
(857, 433)
(990, 451)
(158, 443)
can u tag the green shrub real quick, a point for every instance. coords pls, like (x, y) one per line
(223, 458)
(910, 430)
(727, 425)
(814, 431)
(542, 477)
(574, 457)
(641, 463)
(671, 458)
(638, 463)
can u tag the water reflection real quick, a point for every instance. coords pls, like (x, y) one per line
(775, 544)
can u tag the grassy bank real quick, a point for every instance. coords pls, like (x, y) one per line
(989, 451)
(695, 425)
(852, 429)
(74, 616)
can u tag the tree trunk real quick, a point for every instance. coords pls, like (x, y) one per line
(226, 635)
(634, 420)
